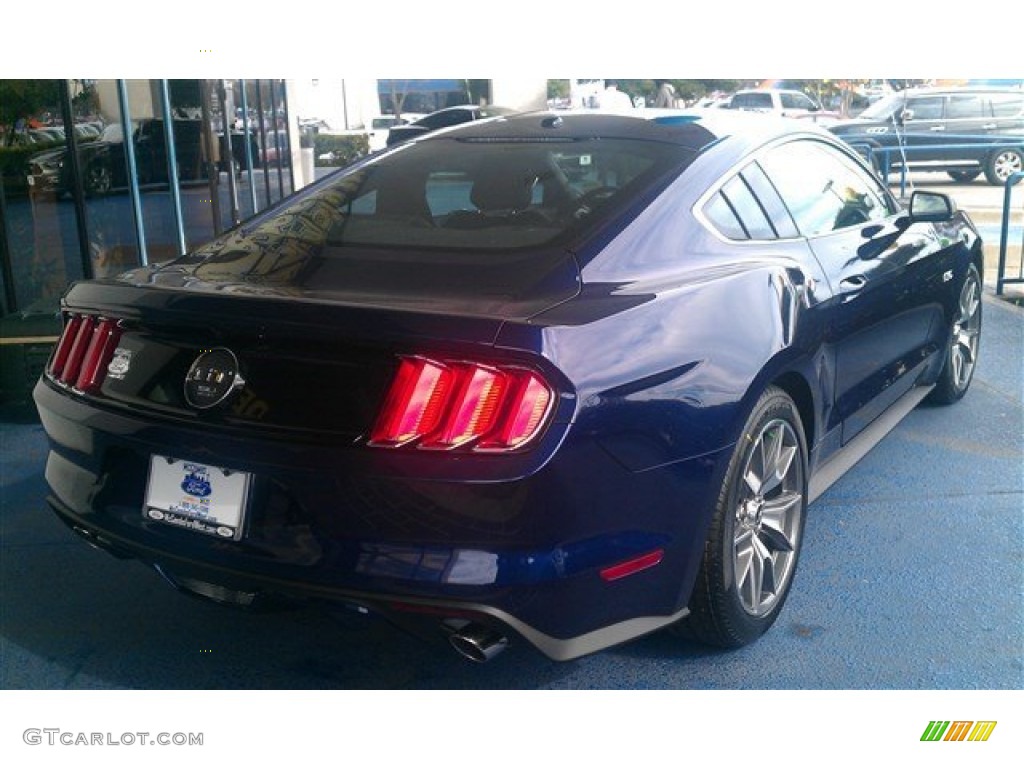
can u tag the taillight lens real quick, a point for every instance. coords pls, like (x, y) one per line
(446, 405)
(84, 351)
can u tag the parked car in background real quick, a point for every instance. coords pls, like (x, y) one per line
(377, 135)
(103, 162)
(277, 146)
(964, 132)
(571, 378)
(443, 118)
(781, 102)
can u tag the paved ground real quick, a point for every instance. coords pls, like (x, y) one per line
(912, 578)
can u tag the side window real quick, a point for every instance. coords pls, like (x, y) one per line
(769, 198)
(926, 108)
(963, 106)
(1008, 105)
(824, 190)
(748, 210)
(796, 101)
(752, 101)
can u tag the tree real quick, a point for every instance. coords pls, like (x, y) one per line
(24, 100)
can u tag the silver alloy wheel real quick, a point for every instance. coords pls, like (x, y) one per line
(963, 351)
(1005, 164)
(768, 518)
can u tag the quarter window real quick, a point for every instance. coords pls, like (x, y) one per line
(1008, 105)
(748, 210)
(723, 218)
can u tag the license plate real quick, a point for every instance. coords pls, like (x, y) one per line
(196, 496)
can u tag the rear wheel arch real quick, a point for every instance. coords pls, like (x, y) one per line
(754, 538)
(796, 386)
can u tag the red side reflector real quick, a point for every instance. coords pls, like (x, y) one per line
(637, 564)
(439, 405)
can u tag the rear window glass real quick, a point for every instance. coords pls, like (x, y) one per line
(466, 194)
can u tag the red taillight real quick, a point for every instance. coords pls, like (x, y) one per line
(84, 352)
(446, 405)
(63, 351)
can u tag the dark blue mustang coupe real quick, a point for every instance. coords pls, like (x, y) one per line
(565, 377)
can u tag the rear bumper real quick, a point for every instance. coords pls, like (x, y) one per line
(525, 554)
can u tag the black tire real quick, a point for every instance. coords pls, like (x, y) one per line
(98, 179)
(741, 589)
(961, 356)
(964, 176)
(1001, 164)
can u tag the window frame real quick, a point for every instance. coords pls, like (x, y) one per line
(848, 157)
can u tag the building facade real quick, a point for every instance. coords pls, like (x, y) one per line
(79, 200)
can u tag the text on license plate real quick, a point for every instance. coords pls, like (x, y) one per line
(196, 496)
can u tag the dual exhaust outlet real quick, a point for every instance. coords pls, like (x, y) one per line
(476, 642)
(470, 640)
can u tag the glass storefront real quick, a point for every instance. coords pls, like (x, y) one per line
(99, 176)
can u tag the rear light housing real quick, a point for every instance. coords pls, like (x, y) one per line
(446, 405)
(83, 352)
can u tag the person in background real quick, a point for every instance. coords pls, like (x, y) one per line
(666, 95)
(612, 99)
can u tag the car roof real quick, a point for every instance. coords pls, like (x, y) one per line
(954, 89)
(695, 129)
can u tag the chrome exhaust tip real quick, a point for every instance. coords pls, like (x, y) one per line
(477, 642)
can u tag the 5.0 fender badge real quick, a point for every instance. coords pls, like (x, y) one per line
(213, 376)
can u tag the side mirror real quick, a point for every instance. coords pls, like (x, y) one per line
(931, 206)
(905, 116)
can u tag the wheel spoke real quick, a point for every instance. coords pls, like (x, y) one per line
(776, 519)
(743, 558)
(957, 360)
(965, 344)
(752, 481)
(968, 302)
(778, 459)
(751, 556)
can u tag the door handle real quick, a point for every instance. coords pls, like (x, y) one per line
(853, 283)
(937, 128)
(988, 127)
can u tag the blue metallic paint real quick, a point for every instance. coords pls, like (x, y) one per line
(658, 337)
